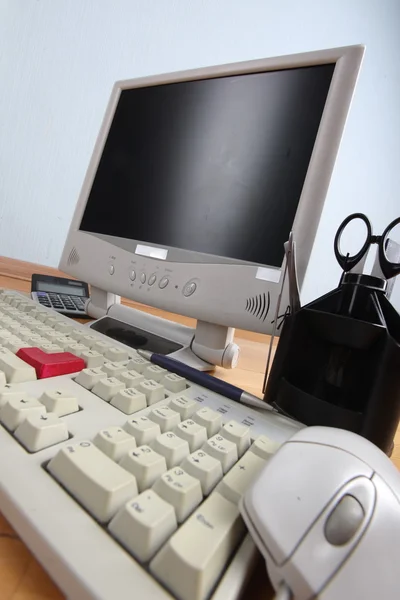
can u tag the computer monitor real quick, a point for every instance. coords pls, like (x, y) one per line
(195, 182)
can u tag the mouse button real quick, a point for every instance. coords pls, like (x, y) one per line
(353, 508)
(371, 570)
(292, 490)
(344, 521)
(316, 560)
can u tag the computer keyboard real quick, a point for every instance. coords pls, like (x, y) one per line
(122, 478)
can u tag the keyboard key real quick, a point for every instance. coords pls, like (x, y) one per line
(116, 354)
(26, 307)
(194, 558)
(131, 378)
(16, 301)
(264, 447)
(92, 358)
(16, 344)
(129, 401)
(174, 383)
(5, 321)
(31, 322)
(8, 393)
(210, 419)
(193, 433)
(52, 335)
(6, 341)
(51, 365)
(88, 340)
(78, 334)
(153, 391)
(172, 447)
(42, 329)
(5, 333)
(143, 430)
(237, 433)
(76, 348)
(143, 525)
(96, 481)
(3, 380)
(24, 334)
(63, 341)
(113, 369)
(114, 442)
(145, 464)
(108, 388)
(240, 477)
(165, 417)
(15, 369)
(137, 363)
(21, 318)
(16, 410)
(185, 406)
(101, 347)
(52, 348)
(42, 315)
(181, 490)
(34, 340)
(41, 431)
(89, 377)
(205, 468)
(64, 327)
(52, 322)
(61, 402)
(154, 372)
(223, 450)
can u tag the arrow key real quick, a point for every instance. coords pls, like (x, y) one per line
(41, 431)
(18, 408)
(205, 468)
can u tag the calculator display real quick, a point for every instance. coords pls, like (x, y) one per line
(44, 286)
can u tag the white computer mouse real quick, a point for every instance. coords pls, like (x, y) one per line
(325, 514)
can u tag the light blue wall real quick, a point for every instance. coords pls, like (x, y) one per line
(59, 59)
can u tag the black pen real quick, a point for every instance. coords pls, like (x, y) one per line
(208, 381)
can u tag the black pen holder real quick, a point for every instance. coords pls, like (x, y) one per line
(338, 364)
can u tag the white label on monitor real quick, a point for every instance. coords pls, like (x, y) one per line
(161, 253)
(268, 274)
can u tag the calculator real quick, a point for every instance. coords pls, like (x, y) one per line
(66, 296)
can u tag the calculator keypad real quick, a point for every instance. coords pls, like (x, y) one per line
(64, 302)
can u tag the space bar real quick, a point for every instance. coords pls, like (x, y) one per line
(192, 561)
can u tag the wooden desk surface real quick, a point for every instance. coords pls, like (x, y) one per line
(21, 576)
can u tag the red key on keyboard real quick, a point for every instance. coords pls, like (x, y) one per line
(51, 365)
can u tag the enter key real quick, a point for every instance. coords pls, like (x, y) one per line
(195, 557)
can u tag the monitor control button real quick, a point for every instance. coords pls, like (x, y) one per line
(143, 277)
(152, 279)
(163, 283)
(132, 275)
(189, 288)
(111, 269)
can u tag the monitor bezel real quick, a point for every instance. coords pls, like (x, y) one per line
(347, 64)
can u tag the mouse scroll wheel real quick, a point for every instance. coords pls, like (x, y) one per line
(344, 521)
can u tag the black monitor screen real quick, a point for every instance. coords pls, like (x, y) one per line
(212, 165)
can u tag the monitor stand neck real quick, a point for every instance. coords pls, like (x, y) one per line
(204, 346)
(100, 302)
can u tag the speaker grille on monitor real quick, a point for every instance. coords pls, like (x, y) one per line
(73, 257)
(259, 306)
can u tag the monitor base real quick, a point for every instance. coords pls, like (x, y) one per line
(203, 347)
